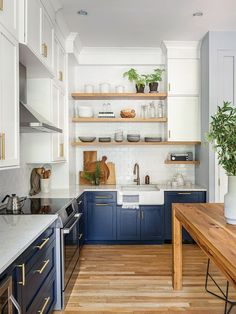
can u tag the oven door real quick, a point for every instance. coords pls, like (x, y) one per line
(7, 302)
(69, 249)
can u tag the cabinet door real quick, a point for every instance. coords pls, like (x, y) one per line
(101, 221)
(9, 101)
(128, 224)
(152, 222)
(179, 197)
(9, 15)
(183, 119)
(61, 64)
(183, 76)
(33, 26)
(47, 39)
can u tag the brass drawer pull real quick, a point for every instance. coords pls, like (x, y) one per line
(1, 5)
(22, 266)
(40, 271)
(103, 197)
(62, 150)
(102, 204)
(61, 76)
(45, 50)
(184, 193)
(80, 236)
(44, 306)
(45, 241)
(142, 215)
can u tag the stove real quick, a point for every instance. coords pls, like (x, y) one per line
(65, 208)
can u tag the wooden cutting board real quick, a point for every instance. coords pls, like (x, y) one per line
(112, 177)
(89, 156)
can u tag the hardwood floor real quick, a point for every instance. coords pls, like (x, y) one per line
(137, 279)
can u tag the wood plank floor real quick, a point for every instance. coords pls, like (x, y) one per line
(137, 279)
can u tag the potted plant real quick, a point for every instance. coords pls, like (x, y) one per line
(139, 79)
(94, 177)
(153, 79)
(223, 136)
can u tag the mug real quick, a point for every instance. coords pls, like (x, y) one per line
(104, 88)
(88, 88)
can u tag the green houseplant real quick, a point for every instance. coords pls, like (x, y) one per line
(153, 80)
(139, 79)
(93, 177)
(223, 136)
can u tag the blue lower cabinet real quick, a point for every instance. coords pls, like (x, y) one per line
(128, 224)
(180, 197)
(101, 221)
(152, 223)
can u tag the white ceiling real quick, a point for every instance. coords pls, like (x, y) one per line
(145, 23)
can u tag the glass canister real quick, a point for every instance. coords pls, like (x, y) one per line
(119, 137)
(144, 111)
(160, 110)
(152, 110)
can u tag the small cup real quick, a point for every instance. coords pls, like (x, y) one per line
(88, 88)
(120, 89)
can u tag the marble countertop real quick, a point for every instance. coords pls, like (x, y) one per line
(76, 190)
(17, 232)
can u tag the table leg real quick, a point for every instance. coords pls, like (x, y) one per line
(177, 252)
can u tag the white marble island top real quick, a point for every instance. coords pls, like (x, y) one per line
(17, 232)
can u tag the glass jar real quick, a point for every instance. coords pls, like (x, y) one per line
(152, 110)
(118, 137)
(160, 112)
(144, 111)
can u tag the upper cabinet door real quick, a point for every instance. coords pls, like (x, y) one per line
(9, 15)
(61, 64)
(33, 25)
(47, 40)
(183, 119)
(183, 76)
(9, 101)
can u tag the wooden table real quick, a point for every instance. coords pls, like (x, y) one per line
(207, 226)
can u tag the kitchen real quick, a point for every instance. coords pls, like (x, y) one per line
(102, 130)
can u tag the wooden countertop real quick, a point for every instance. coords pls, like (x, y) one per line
(207, 226)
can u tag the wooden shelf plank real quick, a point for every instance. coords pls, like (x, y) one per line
(78, 143)
(91, 120)
(186, 162)
(161, 95)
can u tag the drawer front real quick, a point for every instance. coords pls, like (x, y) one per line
(37, 275)
(39, 247)
(102, 197)
(46, 297)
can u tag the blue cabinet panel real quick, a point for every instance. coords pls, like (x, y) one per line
(152, 222)
(179, 197)
(128, 224)
(101, 221)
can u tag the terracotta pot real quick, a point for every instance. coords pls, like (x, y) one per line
(153, 87)
(140, 88)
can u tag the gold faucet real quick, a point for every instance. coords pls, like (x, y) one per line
(136, 171)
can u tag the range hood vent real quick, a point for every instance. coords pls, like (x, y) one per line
(32, 122)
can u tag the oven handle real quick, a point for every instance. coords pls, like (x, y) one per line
(68, 230)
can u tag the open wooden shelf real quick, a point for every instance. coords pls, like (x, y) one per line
(186, 162)
(80, 120)
(95, 96)
(125, 143)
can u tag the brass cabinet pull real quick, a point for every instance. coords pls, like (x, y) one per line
(80, 236)
(105, 196)
(44, 306)
(45, 50)
(1, 5)
(139, 215)
(40, 271)
(3, 147)
(22, 282)
(184, 193)
(62, 150)
(45, 241)
(142, 215)
(169, 87)
(102, 204)
(60, 76)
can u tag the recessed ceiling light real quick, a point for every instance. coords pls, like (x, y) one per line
(199, 13)
(82, 12)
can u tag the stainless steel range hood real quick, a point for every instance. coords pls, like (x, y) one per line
(30, 120)
(33, 122)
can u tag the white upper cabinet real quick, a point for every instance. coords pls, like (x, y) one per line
(9, 100)
(59, 62)
(183, 76)
(33, 12)
(47, 39)
(9, 16)
(183, 119)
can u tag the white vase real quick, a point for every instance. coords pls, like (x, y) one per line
(45, 185)
(230, 201)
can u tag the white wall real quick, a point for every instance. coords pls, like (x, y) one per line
(151, 159)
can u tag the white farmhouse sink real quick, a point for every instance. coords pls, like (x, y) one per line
(141, 194)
